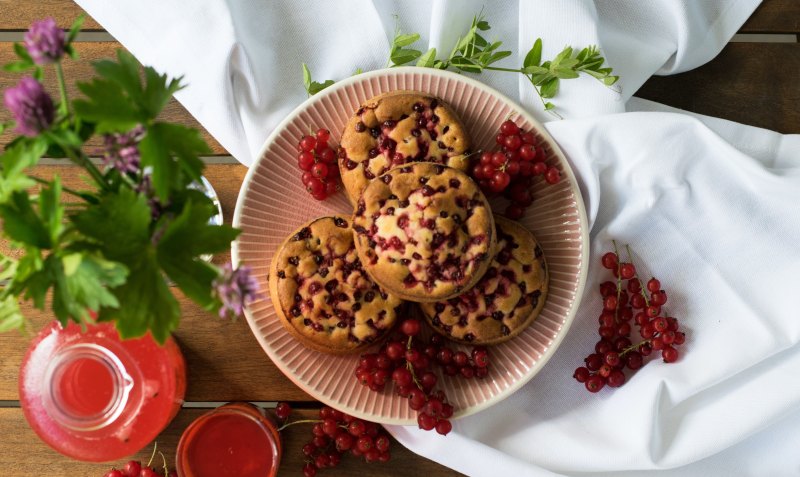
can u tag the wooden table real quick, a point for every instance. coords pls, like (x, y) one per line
(225, 363)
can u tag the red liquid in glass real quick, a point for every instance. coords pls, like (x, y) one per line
(235, 440)
(94, 397)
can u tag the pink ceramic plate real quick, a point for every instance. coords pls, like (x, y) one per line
(273, 203)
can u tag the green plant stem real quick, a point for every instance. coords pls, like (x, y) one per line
(62, 89)
(302, 421)
(65, 189)
(83, 161)
(497, 68)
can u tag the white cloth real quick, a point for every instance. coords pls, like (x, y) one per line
(709, 205)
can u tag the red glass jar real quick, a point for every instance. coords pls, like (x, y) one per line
(94, 397)
(234, 440)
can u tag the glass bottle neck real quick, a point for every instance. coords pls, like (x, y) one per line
(86, 387)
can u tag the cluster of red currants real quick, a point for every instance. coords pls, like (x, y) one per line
(637, 303)
(406, 361)
(134, 468)
(336, 433)
(511, 169)
(317, 159)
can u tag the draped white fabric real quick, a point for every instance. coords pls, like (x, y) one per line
(709, 206)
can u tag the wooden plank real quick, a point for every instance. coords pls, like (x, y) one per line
(225, 362)
(81, 70)
(774, 16)
(24, 454)
(750, 83)
(19, 14)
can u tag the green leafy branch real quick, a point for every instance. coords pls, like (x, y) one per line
(473, 53)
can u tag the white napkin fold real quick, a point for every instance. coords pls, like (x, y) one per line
(709, 206)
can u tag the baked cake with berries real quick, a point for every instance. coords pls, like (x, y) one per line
(424, 231)
(505, 301)
(321, 293)
(397, 128)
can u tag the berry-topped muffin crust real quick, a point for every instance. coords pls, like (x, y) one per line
(398, 128)
(505, 301)
(424, 232)
(322, 294)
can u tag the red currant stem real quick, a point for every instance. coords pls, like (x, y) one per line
(633, 347)
(619, 283)
(302, 421)
(410, 369)
(641, 284)
(153, 455)
(164, 460)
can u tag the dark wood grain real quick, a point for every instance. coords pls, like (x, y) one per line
(225, 362)
(19, 14)
(81, 70)
(750, 83)
(24, 454)
(774, 16)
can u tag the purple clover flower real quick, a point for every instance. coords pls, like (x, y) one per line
(235, 288)
(45, 42)
(31, 106)
(122, 150)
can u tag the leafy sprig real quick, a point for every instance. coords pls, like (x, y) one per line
(109, 252)
(474, 53)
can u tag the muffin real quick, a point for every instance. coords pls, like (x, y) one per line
(397, 128)
(424, 232)
(505, 301)
(321, 293)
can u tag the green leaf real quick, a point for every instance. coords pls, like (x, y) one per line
(38, 73)
(75, 28)
(22, 53)
(610, 80)
(565, 53)
(428, 59)
(535, 70)
(483, 25)
(565, 73)
(18, 66)
(549, 88)
(160, 144)
(548, 106)
(358, 71)
(147, 302)
(157, 91)
(534, 56)
(480, 41)
(22, 224)
(498, 56)
(405, 40)
(51, 209)
(307, 78)
(465, 64)
(403, 56)
(71, 52)
(317, 87)
(14, 161)
(120, 223)
(10, 315)
(107, 106)
(88, 278)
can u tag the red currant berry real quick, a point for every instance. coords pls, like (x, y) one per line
(610, 303)
(364, 444)
(609, 261)
(357, 427)
(669, 354)
(634, 286)
(461, 359)
(411, 327)
(468, 372)
(116, 473)
(309, 470)
(509, 127)
(659, 323)
(334, 458)
(344, 441)
(512, 142)
(425, 421)
(581, 374)
(330, 188)
(634, 360)
(680, 338)
(603, 346)
(500, 139)
(499, 159)
(627, 271)
(515, 211)
(283, 410)
(552, 176)
(444, 426)
(608, 289)
(595, 383)
(512, 168)
(320, 170)
(330, 427)
(307, 143)
(148, 472)
(322, 461)
(309, 449)
(638, 301)
(652, 311)
(612, 359)
(653, 285)
(382, 443)
(323, 135)
(657, 343)
(486, 158)
(315, 186)
(416, 399)
(616, 378)
(593, 362)
(305, 160)
(527, 152)
(528, 138)
(658, 298)
(328, 155)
